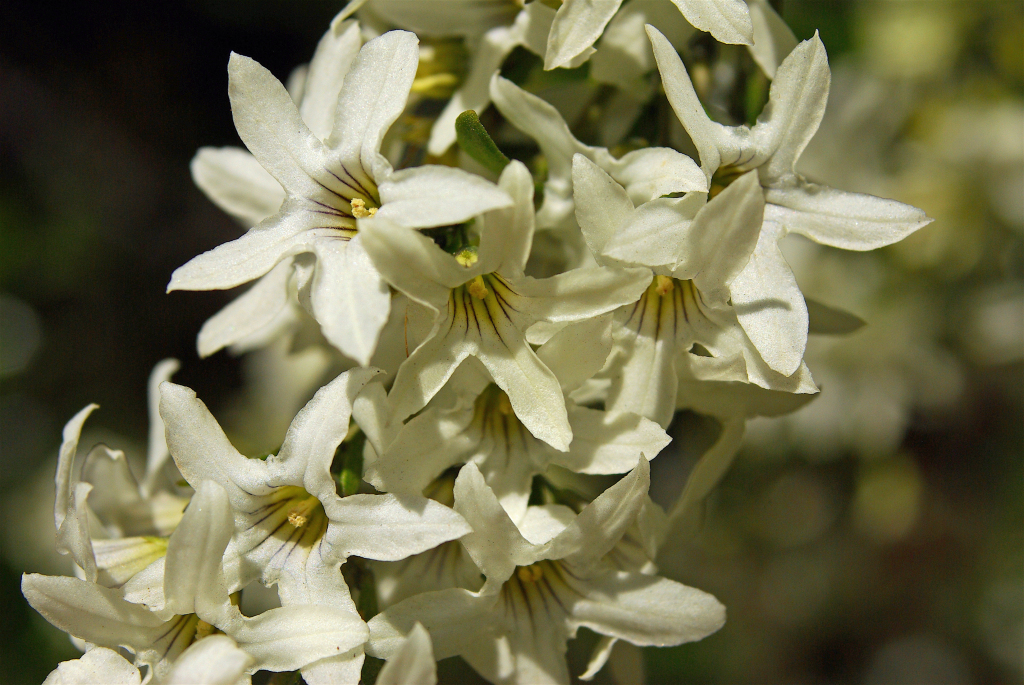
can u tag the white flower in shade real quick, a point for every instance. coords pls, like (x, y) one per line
(765, 294)
(291, 527)
(134, 520)
(683, 324)
(485, 431)
(564, 38)
(543, 584)
(647, 174)
(484, 305)
(413, 663)
(98, 665)
(196, 603)
(331, 183)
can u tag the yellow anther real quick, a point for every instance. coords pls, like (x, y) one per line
(359, 209)
(203, 629)
(297, 519)
(505, 405)
(477, 288)
(529, 574)
(467, 256)
(662, 284)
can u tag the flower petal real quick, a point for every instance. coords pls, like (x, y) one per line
(577, 26)
(727, 20)
(390, 527)
(413, 663)
(98, 665)
(237, 183)
(349, 298)
(796, 103)
(773, 39)
(431, 195)
(203, 452)
(315, 434)
(770, 306)
(248, 313)
(582, 293)
(412, 263)
(270, 126)
(374, 95)
(602, 205)
(655, 171)
(331, 62)
(454, 618)
(249, 257)
(578, 351)
(214, 660)
(658, 233)
(850, 221)
(610, 443)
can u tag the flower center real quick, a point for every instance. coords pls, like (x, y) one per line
(360, 210)
(530, 574)
(722, 179)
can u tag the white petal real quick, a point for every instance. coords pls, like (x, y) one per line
(722, 236)
(773, 39)
(578, 24)
(214, 660)
(315, 433)
(705, 133)
(90, 612)
(66, 462)
(336, 670)
(583, 293)
(646, 381)
(727, 20)
(507, 234)
(412, 263)
(248, 313)
(203, 452)
(796, 103)
(115, 497)
(349, 298)
(270, 126)
(431, 195)
(602, 205)
(454, 618)
(610, 443)
(495, 544)
(603, 522)
(193, 579)
(427, 369)
(248, 257)
(646, 610)
(390, 527)
(236, 183)
(851, 221)
(157, 453)
(578, 351)
(413, 664)
(98, 665)
(331, 62)
(655, 171)
(770, 306)
(291, 637)
(373, 96)
(658, 233)
(532, 388)
(431, 442)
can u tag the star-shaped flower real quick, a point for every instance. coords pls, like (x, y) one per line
(546, 579)
(484, 305)
(765, 294)
(330, 184)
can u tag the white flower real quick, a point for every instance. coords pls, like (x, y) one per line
(647, 173)
(292, 529)
(485, 431)
(543, 584)
(413, 663)
(484, 305)
(767, 300)
(329, 185)
(196, 603)
(696, 250)
(135, 519)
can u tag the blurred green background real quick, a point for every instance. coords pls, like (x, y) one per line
(875, 537)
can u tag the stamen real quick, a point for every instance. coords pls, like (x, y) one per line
(359, 209)
(297, 519)
(529, 574)
(477, 288)
(467, 256)
(663, 284)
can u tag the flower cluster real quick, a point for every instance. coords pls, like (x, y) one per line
(505, 329)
